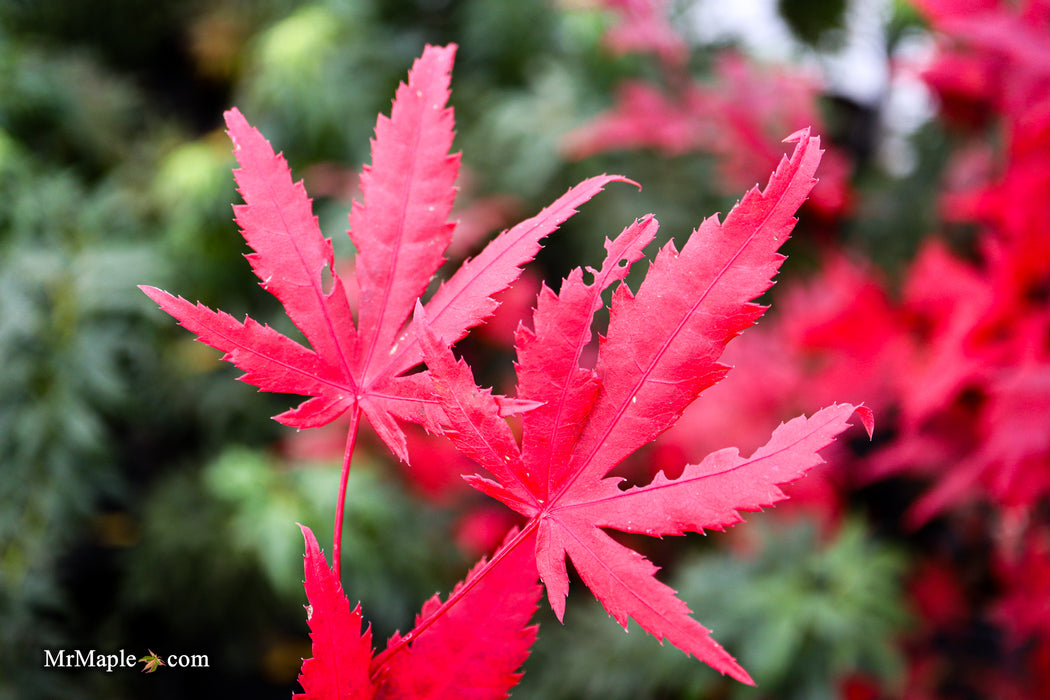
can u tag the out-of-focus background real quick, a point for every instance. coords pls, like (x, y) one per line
(148, 502)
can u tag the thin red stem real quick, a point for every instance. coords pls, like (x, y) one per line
(340, 504)
(384, 657)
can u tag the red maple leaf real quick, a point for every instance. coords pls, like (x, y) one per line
(1010, 462)
(470, 653)
(661, 350)
(400, 230)
(341, 651)
(643, 26)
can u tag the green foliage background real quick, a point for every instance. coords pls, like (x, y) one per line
(145, 502)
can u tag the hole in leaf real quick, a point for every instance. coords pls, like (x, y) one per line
(327, 279)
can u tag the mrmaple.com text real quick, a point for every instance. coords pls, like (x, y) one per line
(78, 658)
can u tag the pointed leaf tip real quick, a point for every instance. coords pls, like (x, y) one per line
(236, 123)
(232, 115)
(867, 418)
(798, 136)
(629, 181)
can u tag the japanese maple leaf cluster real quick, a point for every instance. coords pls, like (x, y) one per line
(578, 422)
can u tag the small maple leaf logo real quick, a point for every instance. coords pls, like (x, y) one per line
(152, 662)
